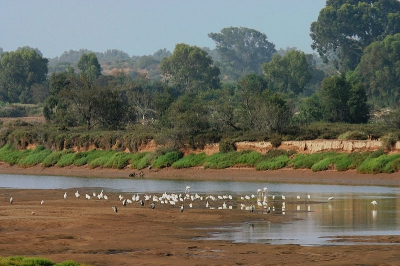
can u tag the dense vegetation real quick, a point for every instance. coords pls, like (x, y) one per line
(367, 162)
(244, 89)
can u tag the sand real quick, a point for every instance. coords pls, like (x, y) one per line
(89, 231)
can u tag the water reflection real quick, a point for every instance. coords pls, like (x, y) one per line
(349, 213)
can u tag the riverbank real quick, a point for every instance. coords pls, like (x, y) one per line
(286, 175)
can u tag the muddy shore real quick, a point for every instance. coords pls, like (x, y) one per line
(89, 231)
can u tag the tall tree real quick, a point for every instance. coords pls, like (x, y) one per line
(243, 49)
(288, 73)
(19, 70)
(346, 27)
(89, 65)
(379, 71)
(190, 68)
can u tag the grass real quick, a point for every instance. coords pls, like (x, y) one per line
(35, 261)
(35, 157)
(274, 163)
(119, 160)
(191, 160)
(381, 164)
(167, 159)
(137, 160)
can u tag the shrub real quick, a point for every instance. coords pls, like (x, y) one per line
(144, 161)
(35, 157)
(353, 135)
(308, 160)
(167, 159)
(273, 164)
(248, 158)
(227, 145)
(191, 160)
(136, 158)
(221, 160)
(66, 159)
(389, 141)
(118, 161)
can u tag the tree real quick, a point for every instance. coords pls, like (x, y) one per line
(190, 68)
(89, 66)
(19, 70)
(346, 27)
(288, 73)
(343, 101)
(243, 49)
(379, 70)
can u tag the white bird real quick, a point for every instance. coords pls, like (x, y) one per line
(298, 197)
(190, 205)
(11, 200)
(65, 195)
(124, 202)
(182, 208)
(129, 201)
(187, 189)
(87, 196)
(77, 194)
(330, 198)
(105, 197)
(374, 203)
(224, 206)
(41, 203)
(207, 204)
(308, 196)
(152, 205)
(115, 208)
(283, 197)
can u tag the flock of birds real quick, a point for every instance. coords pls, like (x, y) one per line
(247, 202)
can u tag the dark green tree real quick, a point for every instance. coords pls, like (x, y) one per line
(379, 70)
(89, 66)
(19, 70)
(346, 27)
(190, 68)
(289, 73)
(243, 49)
(343, 101)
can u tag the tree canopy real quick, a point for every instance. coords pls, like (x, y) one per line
(289, 73)
(346, 27)
(89, 65)
(243, 49)
(379, 71)
(190, 68)
(19, 70)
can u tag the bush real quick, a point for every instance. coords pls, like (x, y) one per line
(144, 161)
(221, 160)
(353, 135)
(136, 158)
(35, 157)
(227, 145)
(191, 160)
(274, 163)
(66, 159)
(248, 158)
(389, 141)
(118, 161)
(167, 159)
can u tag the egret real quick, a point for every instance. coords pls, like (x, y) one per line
(115, 208)
(87, 196)
(374, 203)
(124, 202)
(207, 204)
(330, 198)
(105, 197)
(190, 205)
(308, 196)
(65, 195)
(77, 194)
(187, 189)
(224, 206)
(41, 203)
(182, 208)
(283, 197)
(141, 202)
(268, 209)
(11, 200)
(298, 197)
(152, 205)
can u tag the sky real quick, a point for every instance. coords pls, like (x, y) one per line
(141, 27)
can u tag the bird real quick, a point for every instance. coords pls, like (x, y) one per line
(252, 208)
(77, 194)
(308, 196)
(11, 200)
(268, 209)
(182, 208)
(141, 202)
(41, 203)
(65, 195)
(374, 203)
(124, 202)
(283, 197)
(330, 198)
(115, 208)
(152, 205)
(187, 190)
(298, 197)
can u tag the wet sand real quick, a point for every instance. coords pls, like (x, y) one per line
(89, 231)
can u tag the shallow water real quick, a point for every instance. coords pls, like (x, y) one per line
(349, 213)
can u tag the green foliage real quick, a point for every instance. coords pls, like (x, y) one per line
(325, 163)
(167, 159)
(273, 164)
(381, 164)
(66, 159)
(389, 141)
(248, 158)
(136, 158)
(143, 162)
(53, 158)
(221, 160)
(99, 158)
(119, 160)
(308, 160)
(34, 261)
(191, 160)
(242, 49)
(35, 157)
(227, 145)
(353, 135)
(339, 21)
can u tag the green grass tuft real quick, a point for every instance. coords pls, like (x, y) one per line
(273, 164)
(167, 159)
(191, 160)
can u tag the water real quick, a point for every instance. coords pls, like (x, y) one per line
(316, 220)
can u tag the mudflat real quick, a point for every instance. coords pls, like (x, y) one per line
(89, 231)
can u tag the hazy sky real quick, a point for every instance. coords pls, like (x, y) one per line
(141, 27)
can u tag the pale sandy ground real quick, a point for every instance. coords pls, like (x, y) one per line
(88, 231)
